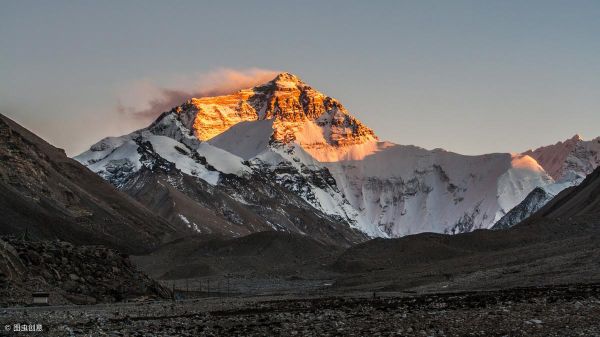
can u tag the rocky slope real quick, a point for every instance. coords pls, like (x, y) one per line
(47, 195)
(210, 191)
(274, 255)
(531, 204)
(577, 204)
(309, 145)
(70, 274)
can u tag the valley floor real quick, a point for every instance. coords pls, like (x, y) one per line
(570, 310)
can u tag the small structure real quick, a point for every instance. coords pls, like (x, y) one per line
(40, 298)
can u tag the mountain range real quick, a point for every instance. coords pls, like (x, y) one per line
(279, 187)
(283, 156)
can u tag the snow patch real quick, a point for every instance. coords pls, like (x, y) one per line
(167, 148)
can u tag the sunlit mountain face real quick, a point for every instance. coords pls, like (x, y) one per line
(288, 135)
(297, 113)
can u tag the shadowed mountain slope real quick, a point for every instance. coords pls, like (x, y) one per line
(581, 203)
(272, 254)
(47, 195)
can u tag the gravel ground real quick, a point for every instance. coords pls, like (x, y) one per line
(549, 311)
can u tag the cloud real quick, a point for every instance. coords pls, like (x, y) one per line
(145, 100)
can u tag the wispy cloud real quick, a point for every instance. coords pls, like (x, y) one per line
(145, 100)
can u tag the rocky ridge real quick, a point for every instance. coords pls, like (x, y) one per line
(531, 204)
(574, 158)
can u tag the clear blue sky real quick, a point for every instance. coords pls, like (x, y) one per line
(467, 76)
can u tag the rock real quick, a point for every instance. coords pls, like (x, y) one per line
(86, 277)
(70, 286)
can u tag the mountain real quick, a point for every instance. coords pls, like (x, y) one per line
(568, 162)
(560, 243)
(287, 137)
(171, 169)
(535, 200)
(576, 204)
(549, 248)
(299, 113)
(46, 195)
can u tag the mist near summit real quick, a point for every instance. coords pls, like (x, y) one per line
(144, 100)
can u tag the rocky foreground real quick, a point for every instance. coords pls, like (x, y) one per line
(550, 311)
(69, 274)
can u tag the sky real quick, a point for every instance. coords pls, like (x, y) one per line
(468, 76)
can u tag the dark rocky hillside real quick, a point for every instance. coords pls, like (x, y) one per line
(189, 201)
(535, 200)
(70, 274)
(49, 196)
(580, 204)
(264, 254)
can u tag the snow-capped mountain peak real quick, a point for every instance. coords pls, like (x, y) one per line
(572, 157)
(568, 162)
(299, 113)
(290, 135)
(286, 80)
